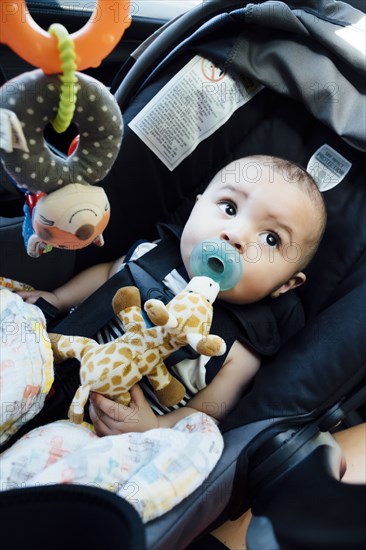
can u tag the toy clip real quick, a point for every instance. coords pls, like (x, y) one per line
(66, 106)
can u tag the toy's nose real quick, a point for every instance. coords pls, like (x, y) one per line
(85, 231)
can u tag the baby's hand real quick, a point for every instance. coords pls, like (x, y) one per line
(110, 418)
(31, 296)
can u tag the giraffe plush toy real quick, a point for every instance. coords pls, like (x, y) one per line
(113, 368)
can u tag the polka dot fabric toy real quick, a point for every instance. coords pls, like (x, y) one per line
(62, 207)
(34, 98)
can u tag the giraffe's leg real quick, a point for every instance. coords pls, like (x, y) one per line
(127, 296)
(167, 389)
(133, 325)
(208, 345)
(64, 347)
(158, 314)
(126, 305)
(76, 410)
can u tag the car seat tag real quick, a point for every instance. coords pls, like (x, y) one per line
(197, 101)
(328, 167)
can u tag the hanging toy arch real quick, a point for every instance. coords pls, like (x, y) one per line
(64, 208)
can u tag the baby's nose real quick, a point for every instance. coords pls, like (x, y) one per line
(234, 239)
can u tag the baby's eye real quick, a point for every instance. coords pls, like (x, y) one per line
(228, 207)
(270, 238)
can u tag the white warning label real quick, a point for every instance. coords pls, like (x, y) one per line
(328, 167)
(197, 101)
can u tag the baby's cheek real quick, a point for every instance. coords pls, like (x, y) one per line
(251, 288)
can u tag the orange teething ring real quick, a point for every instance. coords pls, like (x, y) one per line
(93, 42)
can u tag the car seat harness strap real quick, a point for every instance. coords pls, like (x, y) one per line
(259, 326)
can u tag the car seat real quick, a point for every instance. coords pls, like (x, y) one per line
(305, 60)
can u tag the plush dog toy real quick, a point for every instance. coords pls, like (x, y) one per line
(113, 368)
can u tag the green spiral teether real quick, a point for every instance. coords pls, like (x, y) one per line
(66, 107)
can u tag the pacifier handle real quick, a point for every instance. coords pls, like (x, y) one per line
(219, 260)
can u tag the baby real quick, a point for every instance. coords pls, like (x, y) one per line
(272, 212)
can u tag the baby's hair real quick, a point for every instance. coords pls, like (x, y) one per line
(296, 174)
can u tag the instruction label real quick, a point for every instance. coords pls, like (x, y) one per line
(328, 167)
(197, 101)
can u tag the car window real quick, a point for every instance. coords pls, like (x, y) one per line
(159, 9)
(166, 9)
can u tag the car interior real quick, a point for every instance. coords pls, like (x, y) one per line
(279, 459)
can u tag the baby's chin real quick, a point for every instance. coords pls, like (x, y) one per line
(233, 297)
(230, 296)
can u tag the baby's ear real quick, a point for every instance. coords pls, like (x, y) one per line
(198, 197)
(296, 280)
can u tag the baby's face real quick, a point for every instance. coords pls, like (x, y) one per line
(268, 220)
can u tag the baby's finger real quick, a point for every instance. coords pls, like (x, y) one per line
(137, 395)
(101, 402)
(96, 417)
(138, 399)
(111, 410)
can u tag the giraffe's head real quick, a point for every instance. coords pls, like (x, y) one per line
(204, 286)
(192, 307)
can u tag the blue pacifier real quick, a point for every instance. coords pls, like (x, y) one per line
(219, 260)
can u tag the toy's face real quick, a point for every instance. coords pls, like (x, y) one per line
(204, 287)
(85, 235)
(72, 217)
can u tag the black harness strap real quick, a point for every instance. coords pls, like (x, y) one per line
(166, 256)
(146, 273)
(95, 311)
(262, 326)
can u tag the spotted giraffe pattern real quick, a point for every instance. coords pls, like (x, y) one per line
(113, 368)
